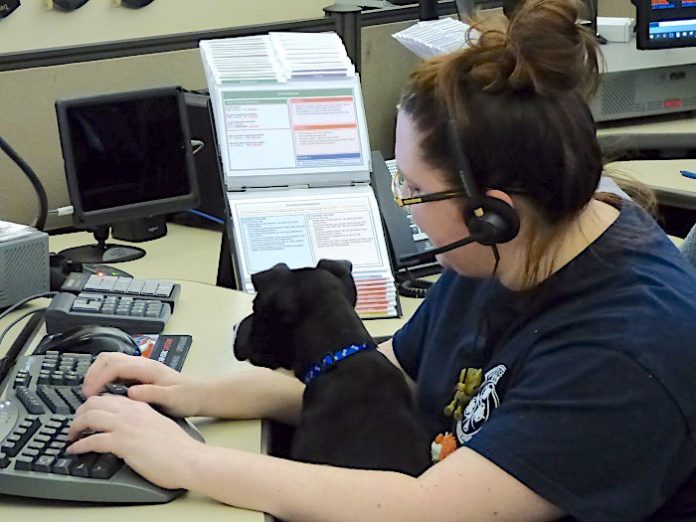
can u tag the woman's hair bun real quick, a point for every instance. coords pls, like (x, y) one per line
(543, 48)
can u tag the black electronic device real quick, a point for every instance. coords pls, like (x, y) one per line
(8, 7)
(136, 4)
(92, 340)
(127, 156)
(131, 314)
(104, 270)
(157, 289)
(68, 5)
(211, 184)
(403, 236)
(663, 24)
(38, 399)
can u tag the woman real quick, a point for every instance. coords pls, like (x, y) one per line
(582, 333)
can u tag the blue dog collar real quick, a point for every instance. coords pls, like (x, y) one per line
(329, 360)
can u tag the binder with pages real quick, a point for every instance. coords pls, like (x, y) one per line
(295, 154)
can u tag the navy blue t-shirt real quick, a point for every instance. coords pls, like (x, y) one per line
(589, 394)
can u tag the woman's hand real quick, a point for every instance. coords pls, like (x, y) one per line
(150, 443)
(156, 383)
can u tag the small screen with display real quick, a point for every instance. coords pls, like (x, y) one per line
(127, 155)
(128, 152)
(662, 24)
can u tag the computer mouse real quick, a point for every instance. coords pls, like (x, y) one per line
(93, 340)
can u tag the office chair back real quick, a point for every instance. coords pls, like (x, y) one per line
(688, 247)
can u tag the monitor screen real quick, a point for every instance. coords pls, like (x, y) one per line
(127, 155)
(663, 24)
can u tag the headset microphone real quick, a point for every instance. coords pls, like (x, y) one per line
(428, 256)
(491, 221)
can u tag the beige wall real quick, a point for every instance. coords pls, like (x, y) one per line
(28, 120)
(27, 117)
(385, 67)
(33, 26)
(616, 8)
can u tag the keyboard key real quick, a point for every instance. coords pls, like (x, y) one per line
(42, 439)
(23, 463)
(149, 288)
(107, 283)
(43, 464)
(135, 286)
(30, 452)
(82, 465)
(63, 465)
(4, 461)
(10, 448)
(154, 309)
(164, 289)
(116, 389)
(84, 305)
(121, 286)
(92, 283)
(106, 465)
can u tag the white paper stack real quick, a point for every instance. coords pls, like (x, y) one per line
(301, 227)
(436, 37)
(292, 133)
(278, 57)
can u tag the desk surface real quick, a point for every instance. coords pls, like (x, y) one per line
(188, 256)
(673, 124)
(191, 254)
(664, 177)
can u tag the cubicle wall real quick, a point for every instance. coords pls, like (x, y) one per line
(28, 121)
(33, 36)
(27, 117)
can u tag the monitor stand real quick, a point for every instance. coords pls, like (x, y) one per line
(102, 252)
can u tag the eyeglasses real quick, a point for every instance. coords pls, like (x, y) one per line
(402, 198)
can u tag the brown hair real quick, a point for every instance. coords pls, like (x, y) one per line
(517, 94)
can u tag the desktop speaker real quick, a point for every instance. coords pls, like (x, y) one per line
(23, 267)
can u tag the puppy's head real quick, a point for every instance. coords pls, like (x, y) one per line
(287, 306)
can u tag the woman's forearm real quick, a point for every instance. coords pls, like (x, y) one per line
(298, 491)
(253, 394)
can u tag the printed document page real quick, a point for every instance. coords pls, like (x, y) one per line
(300, 227)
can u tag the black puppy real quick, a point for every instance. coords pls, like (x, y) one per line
(357, 408)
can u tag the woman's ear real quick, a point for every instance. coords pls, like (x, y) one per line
(499, 194)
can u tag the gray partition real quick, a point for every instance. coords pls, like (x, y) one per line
(386, 65)
(28, 121)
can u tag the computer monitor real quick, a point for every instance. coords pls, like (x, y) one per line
(127, 156)
(662, 24)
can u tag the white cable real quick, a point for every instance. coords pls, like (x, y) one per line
(62, 211)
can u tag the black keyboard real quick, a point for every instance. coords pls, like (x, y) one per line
(130, 314)
(39, 398)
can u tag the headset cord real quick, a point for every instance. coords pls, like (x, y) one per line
(496, 255)
(33, 178)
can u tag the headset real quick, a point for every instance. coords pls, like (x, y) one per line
(490, 221)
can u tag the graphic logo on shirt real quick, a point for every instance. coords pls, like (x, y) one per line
(480, 406)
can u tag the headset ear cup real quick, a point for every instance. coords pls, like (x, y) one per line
(498, 224)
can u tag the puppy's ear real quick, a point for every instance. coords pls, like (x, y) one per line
(270, 278)
(341, 268)
(275, 294)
